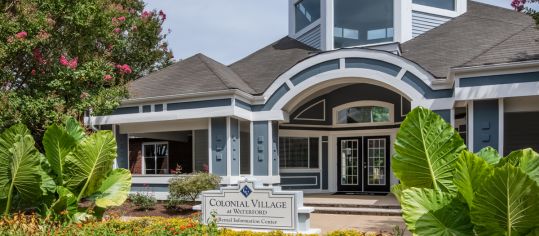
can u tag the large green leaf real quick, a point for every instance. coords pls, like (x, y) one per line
(471, 173)
(89, 163)
(426, 151)
(74, 129)
(526, 159)
(490, 155)
(23, 179)
(114, 190)
(66, 201)
(432, 212)
(506, 204)
(397, 190)
(7, 139)
(58, 143)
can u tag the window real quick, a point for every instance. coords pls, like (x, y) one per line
(155, 158)
(363, 114)
(361, 22)
(298, 152)
(307, 12)
(443, 4)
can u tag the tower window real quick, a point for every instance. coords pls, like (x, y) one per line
(361, 22)
(307, 12)
(443, 4)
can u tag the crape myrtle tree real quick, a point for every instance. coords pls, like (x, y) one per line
(527, 7)
(61, 58)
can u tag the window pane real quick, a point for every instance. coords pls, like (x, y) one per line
(150, 165)
(313, 155)
(443, 4)
(307, 12)
(367, 114)
(298, 151)
(283, 148)
(149, 150)
(162, 150)
(361, 22)
(380, 114)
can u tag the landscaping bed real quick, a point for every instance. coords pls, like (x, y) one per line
(159, 209)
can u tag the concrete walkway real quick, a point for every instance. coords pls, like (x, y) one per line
(387, 201)
(332, 222)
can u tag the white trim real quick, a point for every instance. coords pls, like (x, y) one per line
(452, 117)
(115, 163)
(193, 147)
(353, 75)
(497, 91)
(300, 177)
(228, 148)
(469, 128)
(252, 149)
(501, 125)
(363, 103)
(323, 101)
(270, 149)
(210, 153)
(436, 11)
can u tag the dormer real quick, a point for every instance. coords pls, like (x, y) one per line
(333, 24)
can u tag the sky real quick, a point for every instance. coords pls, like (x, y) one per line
(228, 30)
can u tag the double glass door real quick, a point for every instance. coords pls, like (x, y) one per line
(363, 164)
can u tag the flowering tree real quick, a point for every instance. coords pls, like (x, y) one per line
(61, 58)
(524, 5)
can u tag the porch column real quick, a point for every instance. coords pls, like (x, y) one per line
(218, 143)
(484, 121)
(122, 143)
(260, 153)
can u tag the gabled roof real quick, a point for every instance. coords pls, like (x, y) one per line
(195, 74)
(485, 34)
(263, 67)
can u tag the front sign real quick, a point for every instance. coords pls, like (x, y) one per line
(248, 206)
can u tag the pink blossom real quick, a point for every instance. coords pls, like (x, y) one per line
(134, 28)
(162, 15)
(21, 35)
(38, 56)
(107, 77)
(117, 30)
(63, 60)
(146, 14)
(124, 69)
(33, 72)
(73, 63)
(121, 18)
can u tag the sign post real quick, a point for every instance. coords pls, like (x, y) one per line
(251, 206)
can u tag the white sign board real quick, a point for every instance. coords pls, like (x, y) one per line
(248, 206)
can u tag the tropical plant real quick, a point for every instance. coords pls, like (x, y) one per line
(447, 190)
(183, 187)
(73, 178)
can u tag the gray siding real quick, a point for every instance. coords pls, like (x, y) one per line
(499, 79)
(423, 22)
(235, 145)
(314, 70)
(311, 37)
(260, 148)
(372, 64)
(423, 88)
(275, 148)
(122, 142)
(201, 149)
(485, 124)
(218, 143)
(445, 114)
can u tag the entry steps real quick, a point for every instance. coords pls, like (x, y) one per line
(355, 209)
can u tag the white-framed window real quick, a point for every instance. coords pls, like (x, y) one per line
(363, 113)
(299, 152)
(306, 13)
(155, 156)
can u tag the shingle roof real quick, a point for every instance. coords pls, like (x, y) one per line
(262, 67)
(485, 34)
(198, 73)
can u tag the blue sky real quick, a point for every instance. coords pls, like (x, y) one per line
(228, 30)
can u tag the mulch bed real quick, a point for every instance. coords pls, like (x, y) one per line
(128, 209)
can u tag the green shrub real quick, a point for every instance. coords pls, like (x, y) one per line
(189, 187)
(143, 200)
(446, 190)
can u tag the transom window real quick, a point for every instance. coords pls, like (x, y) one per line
(299, 152)
(442, 4)
(363, 113)
(307, 12)
(155, 158)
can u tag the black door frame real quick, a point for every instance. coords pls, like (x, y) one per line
(363, 185)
